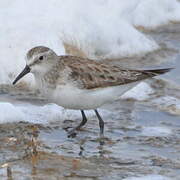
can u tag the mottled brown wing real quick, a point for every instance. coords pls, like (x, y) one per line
(93, 74)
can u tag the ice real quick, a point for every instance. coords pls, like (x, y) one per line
(155, 13)
(102, 28)
(140, 92)
(9, 113)
(46, 114)
(30, 113)
(149, 177)
(168, 103)
(156, 131)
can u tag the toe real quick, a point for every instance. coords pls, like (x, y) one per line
(72, 134)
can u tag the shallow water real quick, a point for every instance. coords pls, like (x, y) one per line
(142, 135)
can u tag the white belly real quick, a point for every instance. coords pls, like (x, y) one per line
(73, 98)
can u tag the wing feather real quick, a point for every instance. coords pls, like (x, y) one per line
(93, 74)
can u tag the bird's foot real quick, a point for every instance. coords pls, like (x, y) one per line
(67, 124)
(72, 133)
(102, 139)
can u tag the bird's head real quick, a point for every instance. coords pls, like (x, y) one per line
(38, 61)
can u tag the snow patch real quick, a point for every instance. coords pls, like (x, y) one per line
(169, 104)
(152, 13)
(9, 113)
(156, 131)
(149, 177)
(42, 114)
(140, 92)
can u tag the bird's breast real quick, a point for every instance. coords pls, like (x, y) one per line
(45, 86)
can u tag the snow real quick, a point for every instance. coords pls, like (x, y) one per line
(46, 114)
(148, 177)
(31, 113)
(8, 113)
(152, 13)
(102, 28)
(156, 131)
(140, 92)
(169, 104)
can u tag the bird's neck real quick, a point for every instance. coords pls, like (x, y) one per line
(46, 78)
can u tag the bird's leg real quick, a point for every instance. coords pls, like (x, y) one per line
(82, 123)
(101, 124)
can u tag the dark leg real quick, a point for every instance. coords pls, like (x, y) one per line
(101, 124)
(82, 123)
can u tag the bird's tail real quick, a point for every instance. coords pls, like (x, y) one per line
(155, 72)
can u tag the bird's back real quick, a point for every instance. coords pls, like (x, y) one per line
(93, 74)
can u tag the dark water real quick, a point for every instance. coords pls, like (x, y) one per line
(142, 137)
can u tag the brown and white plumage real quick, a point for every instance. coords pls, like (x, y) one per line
(93, 74)
(80, 83)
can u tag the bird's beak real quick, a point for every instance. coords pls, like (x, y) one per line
(23, 73)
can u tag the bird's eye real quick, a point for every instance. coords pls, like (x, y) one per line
(41, 58)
